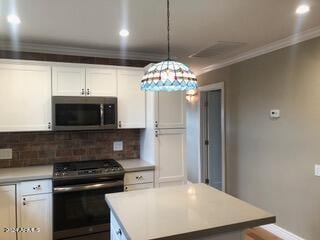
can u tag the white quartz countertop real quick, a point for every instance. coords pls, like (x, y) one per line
(12, 175)
(132, 165)
(182, 211)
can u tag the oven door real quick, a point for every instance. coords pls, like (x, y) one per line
(82, 210)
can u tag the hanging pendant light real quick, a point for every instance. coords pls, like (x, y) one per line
(169, 75)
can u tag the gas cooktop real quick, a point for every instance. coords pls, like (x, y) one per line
(87, 168)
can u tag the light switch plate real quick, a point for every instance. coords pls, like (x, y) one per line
(118, 146)
(317, 170)
(5, 153)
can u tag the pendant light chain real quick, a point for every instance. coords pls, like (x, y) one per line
(168, 27)
(169, 75)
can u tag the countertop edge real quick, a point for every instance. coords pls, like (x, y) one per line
(137, 169)
(203, 232)
(221, 229)
(23, 179)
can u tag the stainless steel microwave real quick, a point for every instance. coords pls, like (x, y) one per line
(84, 113)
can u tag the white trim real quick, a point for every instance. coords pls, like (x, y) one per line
(282, 43)
(77, 51)
(281, 233)
(207, 88)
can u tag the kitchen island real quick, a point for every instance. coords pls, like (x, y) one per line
(194, 211)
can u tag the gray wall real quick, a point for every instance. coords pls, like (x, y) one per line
(270, 163)
(193, 136)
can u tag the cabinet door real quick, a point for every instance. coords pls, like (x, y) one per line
(7, 211)
(25, 97)
(68, 81)
(131, 99)
(101, 82)
(36, 212)
(171, 110)
(171, 157)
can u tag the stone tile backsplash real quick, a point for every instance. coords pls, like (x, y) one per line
(39, 148)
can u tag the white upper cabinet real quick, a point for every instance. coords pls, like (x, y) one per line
(171, 110)
(68, 81)
(131, 99)
(7, 211)
(101, 82)
(25, 97)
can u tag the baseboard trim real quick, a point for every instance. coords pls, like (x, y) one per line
(281, 233)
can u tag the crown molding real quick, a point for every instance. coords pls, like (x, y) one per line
(78, 51)
(271, 47)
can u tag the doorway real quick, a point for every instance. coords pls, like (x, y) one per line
(212, 136)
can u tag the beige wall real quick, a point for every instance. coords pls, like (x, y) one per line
(270, 163)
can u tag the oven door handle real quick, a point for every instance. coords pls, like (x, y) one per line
(85, 187)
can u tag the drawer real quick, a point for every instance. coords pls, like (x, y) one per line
(138, 187)
(36, 187)
(138, 177)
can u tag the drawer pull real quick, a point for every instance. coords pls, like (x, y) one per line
(37, 187)
(119, 232)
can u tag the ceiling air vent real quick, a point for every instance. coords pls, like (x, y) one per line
(219, 50)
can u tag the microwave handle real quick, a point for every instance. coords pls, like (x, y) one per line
(101, 114)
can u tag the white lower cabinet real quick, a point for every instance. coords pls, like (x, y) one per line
(116, 232)
(36, 213)
(138, 180)
(7, 212)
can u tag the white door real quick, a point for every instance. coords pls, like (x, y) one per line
(171, 157)
(7, 211)
(68, 81)
(25, 97)
(171, 110)
(36, 212)
(101, 82)
(131, 99)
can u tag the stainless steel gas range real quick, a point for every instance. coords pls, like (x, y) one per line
(80, 211)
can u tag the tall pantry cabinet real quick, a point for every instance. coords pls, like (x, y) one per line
(163, 141)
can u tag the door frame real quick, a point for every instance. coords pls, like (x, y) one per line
(208, 88)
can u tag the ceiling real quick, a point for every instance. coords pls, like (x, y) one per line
(196, 24)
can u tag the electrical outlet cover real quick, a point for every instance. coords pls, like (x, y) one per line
(6, 153)
(118, 146)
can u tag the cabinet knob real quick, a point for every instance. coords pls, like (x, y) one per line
(88, 91)
(156, 133)
(156, 124)
(119, 124)
(82, 91)
(49, 125)
(119, 232)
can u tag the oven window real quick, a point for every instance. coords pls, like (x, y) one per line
(109, 114)
(81, 209)
(77, 114)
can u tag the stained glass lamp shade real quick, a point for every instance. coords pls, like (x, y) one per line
(169, 76)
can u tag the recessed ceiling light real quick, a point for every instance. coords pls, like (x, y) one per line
(303, 9)
(13, 19)
(124, 33)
